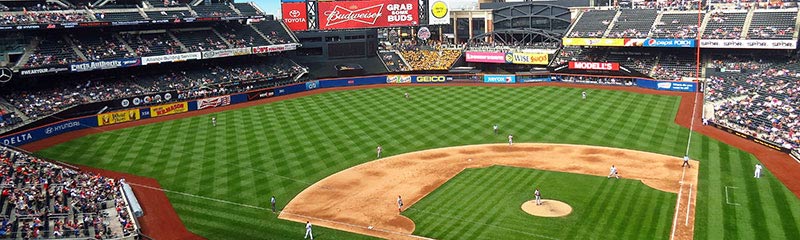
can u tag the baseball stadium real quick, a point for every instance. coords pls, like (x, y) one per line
(399, 119)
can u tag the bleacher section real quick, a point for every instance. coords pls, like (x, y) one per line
(633, 23)
(725, 25)
(274, 31)
(772, 25)
(99, 47)
(151, 44)
(52, 50)
(214, 10)
(119, 16)
(592, 23)
(676, 25)
(242, 36)
(246, 9)
(200, 40)
(161, 15)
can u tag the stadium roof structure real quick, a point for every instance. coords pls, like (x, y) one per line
(526, 36)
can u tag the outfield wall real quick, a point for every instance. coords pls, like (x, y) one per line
(154, 111)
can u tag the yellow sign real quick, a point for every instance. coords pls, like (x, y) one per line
(118, 117)
(602, 42)
(439, 9)
(169, 109)
(527, 58)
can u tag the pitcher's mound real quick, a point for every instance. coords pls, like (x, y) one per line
(549, 208)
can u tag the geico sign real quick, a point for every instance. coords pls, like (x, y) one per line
(431, 79)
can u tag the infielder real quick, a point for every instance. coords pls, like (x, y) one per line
(380, 150)
(272, 202)
(758, 171)
(308, 231)
(613, 172)
(214, 121)
(583, 95)
(399, 204)
(686, 161)
(538, 196)
(510, 140)
(495, 128)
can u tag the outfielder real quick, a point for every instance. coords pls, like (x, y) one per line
(758, 171)
(686, 161)
(272, 202)
(583, 95)
(538, 196)
(214, 121)
(406, 94)
(613, 172)
(308, 231)
(495, 128)
(510, 140)
(399, 204)
(380, 150)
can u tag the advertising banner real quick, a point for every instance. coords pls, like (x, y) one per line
(171, 58)
(439, 12)
(429, 79)
(259, 94)
(598, 42)
(118, 117)
(38, 71)
(213, 102)
(499, 78)
(22, 138)
(368, 14)
(168, 109)
(486, 57)
(667, 85)
(748, 44)
(530, 79)
(275, 48)
(310, 85)
(398, 79)
(105, 64)
(605, 66)
(227, 53)
(295, 15)
(527, 58)
(670, 43)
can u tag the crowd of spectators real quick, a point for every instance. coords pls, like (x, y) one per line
(44, 17)
(393, 62)
(40, 103)
(151, 44)
(51, 201)
(596, 80)
(757, 97)
(429, 56)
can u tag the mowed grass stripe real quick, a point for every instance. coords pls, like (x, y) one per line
(282, 147)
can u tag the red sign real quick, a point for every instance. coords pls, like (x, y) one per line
(368, 14)
(607, 66)
(295, 16)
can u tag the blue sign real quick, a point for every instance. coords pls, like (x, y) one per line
(499, 78)
(667, 85)
(105, 64)
(529, 79)
(668, 42)
(312, 85)
(19, 139)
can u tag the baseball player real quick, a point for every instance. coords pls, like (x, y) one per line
(272, 202)
(538, 196)
(510, 140)
(308, 231)
(214, 121)
(406, 94)
(495, 128)
(758, 171)
(399, 204)
(380, 150)
(583, 95)
(613, 172)
(686, 161)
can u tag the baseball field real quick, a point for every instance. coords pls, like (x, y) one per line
(219, 179)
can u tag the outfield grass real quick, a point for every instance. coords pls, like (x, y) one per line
(472, 204)
(281, 148)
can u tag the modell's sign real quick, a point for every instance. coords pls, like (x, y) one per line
(295, 16)
(605, 66)
(368, 14)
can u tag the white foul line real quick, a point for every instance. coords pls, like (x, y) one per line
(688, 204)
(677, 208)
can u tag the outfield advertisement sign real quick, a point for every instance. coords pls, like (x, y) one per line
(486, 57)
(669, 43)
(749, 43)
(429, 79)
(603, 66)
(532, 79)
(596, 42)
(311, 85)
(169, 109)
(227, 52)
(214, 102)
(275, 48)
(40, 71)
(19, 139)
(368, 14)
(398, 79)
(667, 85)
(509, 57)
(118, 117)
(295, 15)
(106, 64)
(499, 78)
(171, 58)
(259, 94)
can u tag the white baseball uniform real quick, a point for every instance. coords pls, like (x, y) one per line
(214, 121)
(308, 231)
(380, 150)
(510, 140)
(758, 171)
(399, 204)
(613, 172)
(538, 197)
(583, 95)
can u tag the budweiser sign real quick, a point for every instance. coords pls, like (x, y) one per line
(607, 66)
(368, 14)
